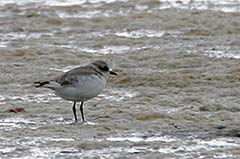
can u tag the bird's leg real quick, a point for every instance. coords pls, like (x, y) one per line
(81, 110)
(74, 111)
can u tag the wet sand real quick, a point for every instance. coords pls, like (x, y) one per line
(176, 96)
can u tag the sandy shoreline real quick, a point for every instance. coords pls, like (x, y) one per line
(176, 96)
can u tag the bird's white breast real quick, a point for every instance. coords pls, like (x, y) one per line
(84, 88)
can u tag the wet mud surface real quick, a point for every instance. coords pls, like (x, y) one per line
(176, 95)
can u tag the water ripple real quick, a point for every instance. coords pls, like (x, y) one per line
(30, 98)
(141, 34)
(118, 94)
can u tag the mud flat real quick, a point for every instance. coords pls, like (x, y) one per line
(176, 96)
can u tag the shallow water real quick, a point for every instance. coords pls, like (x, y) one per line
(176, 95)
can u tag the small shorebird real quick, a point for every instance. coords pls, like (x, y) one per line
(80, 84)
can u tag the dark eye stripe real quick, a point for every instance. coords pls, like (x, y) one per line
(105, 68)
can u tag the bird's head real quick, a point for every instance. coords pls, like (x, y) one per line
(103, 67)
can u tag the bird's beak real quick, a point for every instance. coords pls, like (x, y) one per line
(113, 73)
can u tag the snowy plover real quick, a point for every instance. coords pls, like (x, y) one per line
(80, 84)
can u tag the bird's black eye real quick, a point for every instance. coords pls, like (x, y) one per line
(105, 68)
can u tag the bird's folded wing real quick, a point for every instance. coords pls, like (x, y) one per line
(73, 75)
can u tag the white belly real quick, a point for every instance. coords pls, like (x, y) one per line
(86, 88)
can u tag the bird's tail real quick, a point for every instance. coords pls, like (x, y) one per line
(40, 84)
(48, 84)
